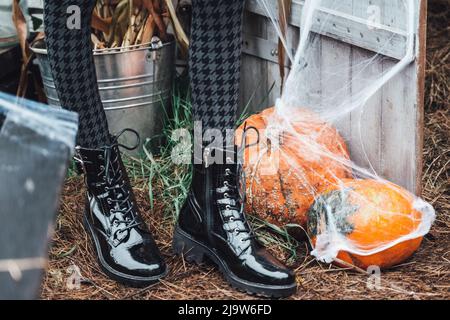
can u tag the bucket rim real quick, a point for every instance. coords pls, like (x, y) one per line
(107, 51)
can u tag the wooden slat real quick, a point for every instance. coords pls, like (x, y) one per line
(35, 4)
(260, 47)
(273, 71)
(348, 28)
(273, 68)
(399, 146)
(420, 82)
(260, 61)
(336, 74)
(336, 55)
(254, 85)
(366, 122)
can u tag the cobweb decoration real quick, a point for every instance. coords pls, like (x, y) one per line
(302, 117)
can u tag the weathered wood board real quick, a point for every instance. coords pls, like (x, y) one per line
(391, 124)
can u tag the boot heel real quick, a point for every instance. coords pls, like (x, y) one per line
(187, 248)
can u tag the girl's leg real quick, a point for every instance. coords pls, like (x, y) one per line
(125, 247)
(72, 63)
(212, 223)
(215, 60)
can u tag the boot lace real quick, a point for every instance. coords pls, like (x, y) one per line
(122, 216)
(231, 198)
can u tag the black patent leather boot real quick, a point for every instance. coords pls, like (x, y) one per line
(126, 250)
(213, 224)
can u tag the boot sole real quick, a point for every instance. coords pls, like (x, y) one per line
(128, 280)
(194, 251)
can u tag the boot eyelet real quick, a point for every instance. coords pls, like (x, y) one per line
(226, 184)
(228, 207)
(226, 196)
(109, 201)
(227, 172)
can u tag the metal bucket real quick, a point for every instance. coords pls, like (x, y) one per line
(135, 86)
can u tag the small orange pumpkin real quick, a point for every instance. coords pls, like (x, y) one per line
(369, 215)
(287, 162)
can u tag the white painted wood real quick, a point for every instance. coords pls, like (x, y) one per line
(399, 147)
(366, 122)
(35, 4)
(336, 55)
(344, 26)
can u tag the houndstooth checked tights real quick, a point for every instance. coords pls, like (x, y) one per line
(73, 69)
(214, 60)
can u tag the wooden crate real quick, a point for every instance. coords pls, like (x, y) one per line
(393, 119)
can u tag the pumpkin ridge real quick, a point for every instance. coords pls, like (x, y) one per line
(288, 193)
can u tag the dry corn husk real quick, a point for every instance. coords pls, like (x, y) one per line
(120, 22)
(148, 30)
(126, 24)
(97, 43)
(179, 32)
(136, 25)
(100, 23)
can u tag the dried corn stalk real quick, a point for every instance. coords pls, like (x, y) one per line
(127, 24)
(179, 32)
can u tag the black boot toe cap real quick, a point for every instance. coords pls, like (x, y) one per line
(263, 268)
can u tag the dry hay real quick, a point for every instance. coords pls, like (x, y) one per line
(425, 276)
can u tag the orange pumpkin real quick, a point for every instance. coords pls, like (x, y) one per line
(289, 163)
(369, 215)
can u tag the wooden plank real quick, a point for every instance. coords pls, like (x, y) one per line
(347, 27)
(35, 4)
(336, 74)
(420, 75)
(336, 54)
(311, 81)
(366, 122)
(254, 85)
(273, 68)
(267, 49)
(399, 143)
(260, 47)
(273, 71)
